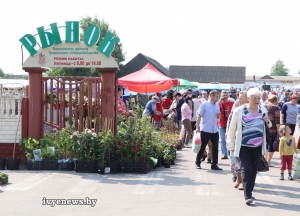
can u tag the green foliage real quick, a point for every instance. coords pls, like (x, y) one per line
(104, 27)
(1, 73)
(3, 177)
(27, 145)
(11, 76)
(278, 69)
(85, 145)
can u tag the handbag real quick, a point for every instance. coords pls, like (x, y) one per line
(268, 137)
(262, 165)
(276, 144)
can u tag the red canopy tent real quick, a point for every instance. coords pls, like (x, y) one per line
(146, 80)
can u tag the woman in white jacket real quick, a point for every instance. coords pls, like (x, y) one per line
(247, 138)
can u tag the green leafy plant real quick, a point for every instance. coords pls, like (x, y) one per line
(3, 177)
(27, 145)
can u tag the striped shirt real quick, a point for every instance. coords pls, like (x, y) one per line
(252, 128)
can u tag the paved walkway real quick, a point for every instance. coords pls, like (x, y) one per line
(180, 190)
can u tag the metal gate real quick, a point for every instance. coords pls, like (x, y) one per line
(74, 101)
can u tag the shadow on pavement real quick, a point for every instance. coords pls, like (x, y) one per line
(278, 205)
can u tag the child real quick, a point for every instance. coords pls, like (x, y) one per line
(287, 148)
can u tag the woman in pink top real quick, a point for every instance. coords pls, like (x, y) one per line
(186, 117)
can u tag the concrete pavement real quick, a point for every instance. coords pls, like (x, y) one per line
(180, 190)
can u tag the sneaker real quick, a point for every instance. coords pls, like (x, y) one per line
(290, 178)
(208, 160)
(203, 158)
(248, 201)
(281, 178)
(215, 167)
(198, 166)
(253, 198)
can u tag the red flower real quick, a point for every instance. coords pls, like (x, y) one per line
(119, 143)
(103, 144)
(130, 143)
(146, 156)
(139, 159)
(112, 139)
(137, 148)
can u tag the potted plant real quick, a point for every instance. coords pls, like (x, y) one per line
(64, 150)
(168, 157)
(3, 178)
(2, 163)
(48, 152)
(86, 149)
(30, 147)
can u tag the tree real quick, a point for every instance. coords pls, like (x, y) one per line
(117, 53)
(278, 69)
(1, 73)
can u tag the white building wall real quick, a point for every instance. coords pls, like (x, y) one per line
(8, 129)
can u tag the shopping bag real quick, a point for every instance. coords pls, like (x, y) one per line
(181, 135)
(196, 143)
(296, 161)
(296, 174)
(234, 162)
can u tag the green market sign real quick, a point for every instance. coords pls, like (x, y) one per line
(72, 52)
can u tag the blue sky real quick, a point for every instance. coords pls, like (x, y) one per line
(254, 34)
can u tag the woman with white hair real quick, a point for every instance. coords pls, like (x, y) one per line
(247, 138)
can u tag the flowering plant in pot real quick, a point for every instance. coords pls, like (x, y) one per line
(86, 150)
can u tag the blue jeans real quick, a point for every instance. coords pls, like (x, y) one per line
(222, 131)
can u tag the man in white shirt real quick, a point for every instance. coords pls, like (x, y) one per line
(264, 98)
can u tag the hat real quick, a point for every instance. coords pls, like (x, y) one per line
(282, 130)
(158, 94)
(155, 97)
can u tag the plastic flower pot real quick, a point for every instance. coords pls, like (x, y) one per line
(168, 164)
(2, 163)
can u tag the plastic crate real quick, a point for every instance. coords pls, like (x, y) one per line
(86, 167)
(34, 165)
(49, 164)
(66, 165)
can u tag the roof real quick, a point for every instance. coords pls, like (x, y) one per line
(273, 78)
(139, 61)
(266, 77)
(208, 74)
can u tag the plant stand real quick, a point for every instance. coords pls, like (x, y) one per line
(13, 164)
(2, 163)
(49, 164)
(34, 165)
(139, 167)
(86, 167)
